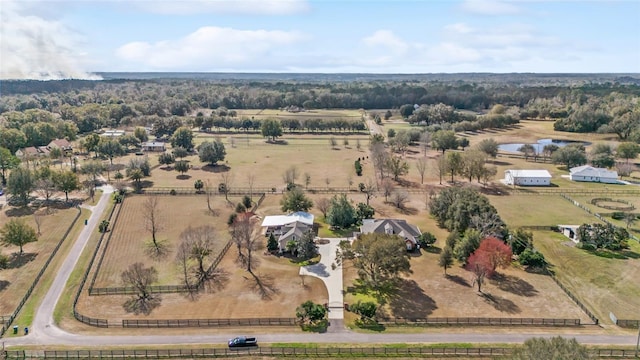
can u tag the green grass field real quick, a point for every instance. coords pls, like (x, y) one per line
(539, 210)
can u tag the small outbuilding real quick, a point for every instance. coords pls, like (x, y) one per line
(527, 177)
(592, 174)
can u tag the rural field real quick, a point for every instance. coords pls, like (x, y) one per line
(22, 270)
(276, 291)
(130, 239)
(539, 210)
(513, 292)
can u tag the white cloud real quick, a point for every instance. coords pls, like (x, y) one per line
(258, 7)
(37, 47)
(212, 49)
(490, 7)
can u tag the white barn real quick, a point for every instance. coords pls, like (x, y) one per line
(527, 177)
(589, 173)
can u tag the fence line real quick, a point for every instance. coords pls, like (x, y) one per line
(85, 319)
(266, 190)
(259, 202)
(634, 324)
(7, 323)
(576, 300)
(363, 352)
(106, 245)
(481, 321)
(181, 323)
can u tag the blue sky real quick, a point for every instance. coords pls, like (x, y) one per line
(52, 38)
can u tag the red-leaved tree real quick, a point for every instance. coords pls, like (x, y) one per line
(491, 254)
(498, 253)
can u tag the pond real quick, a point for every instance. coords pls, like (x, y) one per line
(539, 145)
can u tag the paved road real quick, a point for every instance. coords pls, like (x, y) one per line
(45, 332)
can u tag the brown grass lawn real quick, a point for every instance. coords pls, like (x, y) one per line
(239, 296)
(130, 237)
(603, 283)
(15, 280)
(544, 210)
(513, 293)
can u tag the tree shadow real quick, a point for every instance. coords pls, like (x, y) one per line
(20, 211)
(146, 184)
(218, 168)
(458, 280)
(620, 255)
(432, 249)
(4, 284)
(139, 306)
(277, 142)
(183, 177)
(501, 304)
(17, 260)
(407, 210)
(217, 280)
(263, 285)
(157, 251)
(513, 285)
(410, 301)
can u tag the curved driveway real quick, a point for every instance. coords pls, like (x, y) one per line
(45, 332)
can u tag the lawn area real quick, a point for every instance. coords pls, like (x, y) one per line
(22, 270)
(130, 238)
(603, 283)
(427, 292)
(237, 295)
(539, 210)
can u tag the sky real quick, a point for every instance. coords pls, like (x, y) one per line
(49, 39)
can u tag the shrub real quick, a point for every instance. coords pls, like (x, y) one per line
(4, 261)
(532, 258)
(232, 219)
(240, 208)
(366, 310)
(586, 246)
(172, 192)
(618, 215)
(310, 312)
(358, 167)
(427, 239)
(104, 226)
(246, 201)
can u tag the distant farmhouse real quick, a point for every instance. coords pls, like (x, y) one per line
(410, 233)
(527, 177)
(112, 133)
(153, 146)
(287, 228)
(589, 173)
(38, 151)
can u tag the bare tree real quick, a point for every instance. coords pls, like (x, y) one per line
(425, 141)
(442, 167)
(379, 156)
(421, 165)
(349, 181)
(45, 187)
(323, 205)
(153, 222)
(629, 219)
(387, 187)
(37, 218)
(369, 189)
(307, 180)
(399, 198)
(207, 191)
(244, 233)
(226, 180)
(140, 279)
(199, 241)
(290, 175)
(327, 181)
(182, 259)
(251, 179)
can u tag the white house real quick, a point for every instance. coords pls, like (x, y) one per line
(286, 228)
(527, 177)
(570, 231)
(589, 173)
(153, 146)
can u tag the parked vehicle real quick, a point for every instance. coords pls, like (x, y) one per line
(243, 341)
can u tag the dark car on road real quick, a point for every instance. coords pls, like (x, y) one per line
(243, 341)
